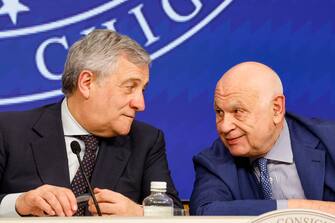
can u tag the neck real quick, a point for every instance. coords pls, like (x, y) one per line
(73, 106)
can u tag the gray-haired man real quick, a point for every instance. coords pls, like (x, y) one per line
(103, 81)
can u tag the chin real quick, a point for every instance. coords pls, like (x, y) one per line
(107, 133)
(238, 151)
(124, 131)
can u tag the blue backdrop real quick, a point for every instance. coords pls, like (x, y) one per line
(192, 43)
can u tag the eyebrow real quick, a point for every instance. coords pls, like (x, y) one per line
(134, 80)
(238, 103)
(232, 104)
(131, 80)
(216, 106)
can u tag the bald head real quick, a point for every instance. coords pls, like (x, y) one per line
(254, 77)
(250, 109)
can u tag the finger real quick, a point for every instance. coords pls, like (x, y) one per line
(64, 201)
(97, 190)
(54, 203)
(91, 206)
(92, 209)
(107, 215)
(90, 201)
(43, 205)
(106, 208)
(72, 200)
(38, 212)
(107, 196)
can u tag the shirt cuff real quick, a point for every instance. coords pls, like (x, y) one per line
(7, 206)
(282, 204)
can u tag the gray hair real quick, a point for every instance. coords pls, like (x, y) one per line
(98, 52)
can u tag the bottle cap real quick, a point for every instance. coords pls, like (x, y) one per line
(160, 185)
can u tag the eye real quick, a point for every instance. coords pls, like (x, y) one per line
(219, 112)
(238, 111)
(129, 88)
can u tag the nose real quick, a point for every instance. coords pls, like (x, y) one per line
(138, 102)
(225, 124)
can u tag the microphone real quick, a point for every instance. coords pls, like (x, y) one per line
(75, 147)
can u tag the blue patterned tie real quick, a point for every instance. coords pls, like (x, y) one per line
(264, 178)
(78, 183)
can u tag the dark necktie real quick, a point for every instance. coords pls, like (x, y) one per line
(78, 183)
(264, 178)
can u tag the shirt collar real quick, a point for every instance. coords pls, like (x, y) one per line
(70, 126)
(282, 149)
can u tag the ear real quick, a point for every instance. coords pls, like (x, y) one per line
(85, 81)
(278, 109)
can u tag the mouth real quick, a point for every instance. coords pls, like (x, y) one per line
(232, 141)
(130, 116)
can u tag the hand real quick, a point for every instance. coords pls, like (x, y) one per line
(47, 200)
(325, 206)
(113, 203)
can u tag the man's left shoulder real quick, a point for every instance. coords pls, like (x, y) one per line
(142, 130)
(312, 122)
(323, 129)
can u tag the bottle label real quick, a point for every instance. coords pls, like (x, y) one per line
(158, 211)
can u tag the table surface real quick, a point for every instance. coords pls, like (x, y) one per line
(181, 219)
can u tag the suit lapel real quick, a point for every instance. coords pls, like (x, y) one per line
(111, 161)
(248, 183)
(309, 160)
(49, 148)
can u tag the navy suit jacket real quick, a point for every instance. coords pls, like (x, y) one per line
(226, 185)
(33, 153)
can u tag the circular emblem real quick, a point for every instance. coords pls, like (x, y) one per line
(38, 38)
(295, 216)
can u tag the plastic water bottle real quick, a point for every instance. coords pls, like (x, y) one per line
(158, 203)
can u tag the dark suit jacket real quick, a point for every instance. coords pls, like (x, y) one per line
(226, 185)
(33, 153)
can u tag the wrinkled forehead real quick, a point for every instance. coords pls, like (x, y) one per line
(235, 96)
(229, 86)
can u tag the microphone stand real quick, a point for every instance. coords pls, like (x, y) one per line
(86, 179)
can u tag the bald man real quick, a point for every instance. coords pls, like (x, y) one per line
(264, 159)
